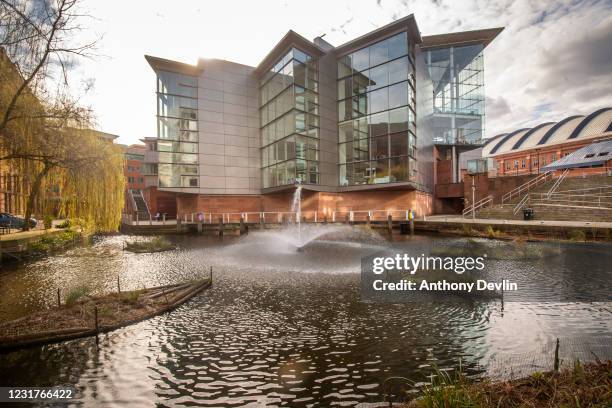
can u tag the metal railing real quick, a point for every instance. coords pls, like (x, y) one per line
(521, 204)
(291, 216)
(557, 182)
(477, 205)
(542, 178)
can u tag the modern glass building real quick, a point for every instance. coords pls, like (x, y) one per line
(377, 121)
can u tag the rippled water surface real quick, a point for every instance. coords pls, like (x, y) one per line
(281, 327)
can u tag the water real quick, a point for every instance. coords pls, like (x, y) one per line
(296, 207)
(282, 327)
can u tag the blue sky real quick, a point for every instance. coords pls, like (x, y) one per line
(553, 59)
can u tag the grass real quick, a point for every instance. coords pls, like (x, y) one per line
(131, 297)
(53, 241)
(157, 244)
(76, 293)
(583, 385)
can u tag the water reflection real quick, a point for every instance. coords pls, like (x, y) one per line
(288, 329)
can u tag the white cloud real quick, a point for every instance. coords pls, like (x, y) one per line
(553, 60)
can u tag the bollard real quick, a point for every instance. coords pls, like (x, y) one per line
(59, 303)
(390, 224)
(243, 228)
(220, 226)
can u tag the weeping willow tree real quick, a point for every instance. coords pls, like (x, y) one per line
(66, 169)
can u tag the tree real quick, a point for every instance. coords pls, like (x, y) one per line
(42, 126)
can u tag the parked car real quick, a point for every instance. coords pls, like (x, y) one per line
(12, 221)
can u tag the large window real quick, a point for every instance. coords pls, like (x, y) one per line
(289, 116)
(457, 75)
(376, 113)
(177, 129)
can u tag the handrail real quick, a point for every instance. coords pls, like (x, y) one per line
(584, 189)
(477, 205)
(520, 204)
(526, 186)
(557, 183)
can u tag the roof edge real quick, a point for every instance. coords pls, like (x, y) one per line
(483, 36)
(291, 39)
(162, 64)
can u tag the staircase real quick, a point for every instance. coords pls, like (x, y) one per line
(573, 199)
(140, 205)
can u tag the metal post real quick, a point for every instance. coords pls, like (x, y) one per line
(473, 199)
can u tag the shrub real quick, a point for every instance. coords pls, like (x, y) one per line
(491, 233)
(157, 244)
(76, 293)
(64, 224)
(131, 297)
(48, 222)
(577, 235)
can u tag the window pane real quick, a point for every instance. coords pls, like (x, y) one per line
(378, 53)
(379, 147)
(398, 70)
(361, 59)
(345, 88)
(398, 120)
(398, 45)
(399, 144)
(345, 131)
(379, 100)
(344, 66)
(399, 169)
(361, 81)
(381, 172)
(379, 77)
(398, 95)
(379, 124)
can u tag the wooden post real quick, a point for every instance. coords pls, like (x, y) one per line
(390, 224)
(368, 220)
(199, 226)
(347, 218)
(178, 223)
(164, 218)
(96, 323)
(556, 366)
(220, 226)
(118, 285)
(211, 274)
(325, 219)
(59, 302)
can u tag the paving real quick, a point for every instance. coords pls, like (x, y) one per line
(491, 221)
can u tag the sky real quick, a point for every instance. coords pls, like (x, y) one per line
(553, 59)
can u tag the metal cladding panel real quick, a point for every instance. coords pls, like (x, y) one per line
(533, 139)
(424, 114)
(528, 135)
(592, 155)
(503, 141)
(597, 124)
(563, 132)
(490, 144)
(507, 146)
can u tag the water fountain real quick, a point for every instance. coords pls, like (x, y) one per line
(296, 207)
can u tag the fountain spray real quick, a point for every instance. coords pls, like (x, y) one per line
(296, 206)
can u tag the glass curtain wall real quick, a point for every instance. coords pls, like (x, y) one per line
(376, 113)
(289, 113)
(177, 129)
(457, 74)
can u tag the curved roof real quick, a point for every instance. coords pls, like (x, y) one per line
(546, 134)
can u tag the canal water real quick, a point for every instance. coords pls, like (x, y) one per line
(286, 327)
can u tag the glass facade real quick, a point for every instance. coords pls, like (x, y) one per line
(289, 101)
(376, 113)
(457, 75)
(177, 129)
